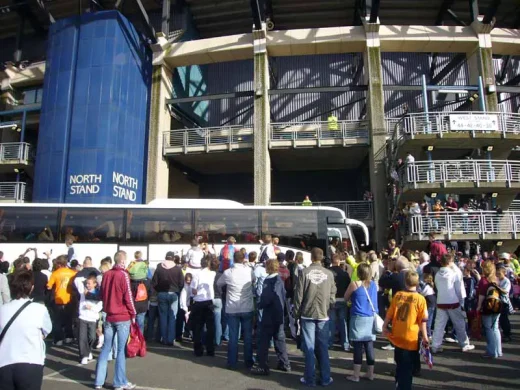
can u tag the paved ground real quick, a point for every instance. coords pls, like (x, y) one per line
(176, 368)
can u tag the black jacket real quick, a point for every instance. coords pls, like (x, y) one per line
(272, 302)
(342, 280)
(142, 306)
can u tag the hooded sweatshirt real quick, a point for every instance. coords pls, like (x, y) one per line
(168, 278)
(272, 301)
(450, 288)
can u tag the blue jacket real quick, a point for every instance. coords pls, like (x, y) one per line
(272, 301)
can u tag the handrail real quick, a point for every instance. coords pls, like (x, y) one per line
(15, 152)
(319, 130)
(208, 136)
(441, 123)
(482, 223)
(362, 210)
(460, 171)
(13, 191)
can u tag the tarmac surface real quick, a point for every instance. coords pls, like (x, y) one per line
(176, 368)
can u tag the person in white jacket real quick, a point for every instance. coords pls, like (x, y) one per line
(90, 305)
(450, 303)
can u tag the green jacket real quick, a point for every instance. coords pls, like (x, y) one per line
(138, 270)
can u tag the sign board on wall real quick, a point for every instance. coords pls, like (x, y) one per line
(483, 122)
(122, 186)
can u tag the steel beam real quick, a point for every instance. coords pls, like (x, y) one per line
(372, 7)
(287, 91)
(165, 26)
(147, 25)
(358, 13)
(514, 81)
(202, 98)
(456, 18)
(19, 40)
(24, 10)
(505, 63)
(508, 89)
(41, 5)
(445, 6)
(257, 18)
(454, 63)
(473, 9)
(491, 11)
(119, 4)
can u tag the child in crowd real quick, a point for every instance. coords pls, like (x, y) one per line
(470, 302)
(252, 259)
(185, 302)
(90, 306)
(153, 331)
(408, 315)
(505, 284)
(428, 292)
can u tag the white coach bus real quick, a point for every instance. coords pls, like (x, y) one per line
(168, 225)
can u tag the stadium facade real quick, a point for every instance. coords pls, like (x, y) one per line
(266, 101)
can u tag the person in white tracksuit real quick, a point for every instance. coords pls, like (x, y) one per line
(450, 303)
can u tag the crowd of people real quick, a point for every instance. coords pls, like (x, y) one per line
(425, 298)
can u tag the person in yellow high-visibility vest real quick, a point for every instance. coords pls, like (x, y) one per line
(332, 126)
(306, 201)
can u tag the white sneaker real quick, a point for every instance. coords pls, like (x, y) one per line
(450, 340)
(68, 340)
(101, 341)
(84, 360)
(468, 347)
(59, 343)
(90, 357)
(128, 386)
(388, 347)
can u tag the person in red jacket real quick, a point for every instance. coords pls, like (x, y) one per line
(118, 304)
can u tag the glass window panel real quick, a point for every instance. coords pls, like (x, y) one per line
(92, 225)
(28, 224)
(215, 226)
(297, 229)
(160, 225)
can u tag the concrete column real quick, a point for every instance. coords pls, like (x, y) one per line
(160, 121)
(480, 63)
(262, 121)
(376, 117)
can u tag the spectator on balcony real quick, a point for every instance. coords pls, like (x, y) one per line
(451, 205)
(367, 196)
(483, 204)
(332, 125)
(306, 201)
(465, 217)
(409, 158)
(437, 218)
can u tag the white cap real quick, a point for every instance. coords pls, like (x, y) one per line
(505, 256)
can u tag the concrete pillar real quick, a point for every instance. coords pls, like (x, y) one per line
(480, 63)
(160, 121)
(376, 117)
(262, 121)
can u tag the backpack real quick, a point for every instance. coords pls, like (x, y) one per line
(141, 294)
(263, 255)
(494, 300)
(226, 255)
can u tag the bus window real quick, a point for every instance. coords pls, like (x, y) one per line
(28, 225)
(296, 229)
(92, 225)
(159, 226)
(215, 226)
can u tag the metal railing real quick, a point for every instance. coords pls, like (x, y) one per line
(319, 133)
(15, 152)
(460, 223)
(441, 123)
(362, 210)
(207, 139)
(460, 171)
(515, 205)
(14, 192)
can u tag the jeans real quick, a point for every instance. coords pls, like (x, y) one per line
(113, 331)
(62, 327)
(339, 314)
(315, 340)
(493, 338)
(87, 337)
(202, 316)
(404, 360)
(225, 327)
(235, 321)
(168, 308)
(459, 325)
(153, 317)
(431, 315)
(140, 321)
(217, 312)
(503, 320)
(268, 333)
(369, 351)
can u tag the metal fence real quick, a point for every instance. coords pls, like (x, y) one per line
(15, 152)
(319, 133)
(361, 210)
(207, 139)
(14, 192)
(481, 223)
(460, 171)
(441, 123)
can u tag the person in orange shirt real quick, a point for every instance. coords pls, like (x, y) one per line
(61, 281)
(408, 315)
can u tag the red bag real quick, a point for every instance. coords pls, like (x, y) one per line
(475, 324)
(136, 345)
